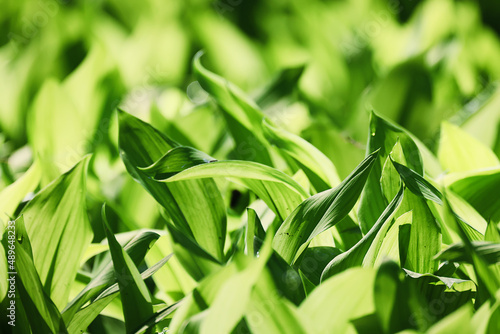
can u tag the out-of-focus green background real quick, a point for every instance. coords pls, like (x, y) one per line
(65, 66)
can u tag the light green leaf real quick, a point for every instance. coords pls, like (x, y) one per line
(457, 322)
(350, 293)
(11, 196)
(268, 312)
(229, 305)
(59, 212)
(460, 152)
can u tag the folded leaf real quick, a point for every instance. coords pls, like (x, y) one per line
(320, 212)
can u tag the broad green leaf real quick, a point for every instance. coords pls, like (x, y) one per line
(11, 196)
(136, 301)
(42, 311)
(425, 236)
(59, 211)
(460, 152)
(320, 212)
(483, 123)
(492, 234)
(59, 127)
(355, 255)
(195, 206)
(350, 294)
(280, 192)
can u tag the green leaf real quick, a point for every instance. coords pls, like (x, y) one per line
(425, 190)
(136, 248)
(252, 131)
(268, 312)
(318, 168)
(84, 317)
(386, 295)
(460, 152)
(457, 322)
(487, 280)
(202, 296)
(480, 189)
(195, 206)
(417, 184)
(355, 255)
(253, 229)
(136, 301)
(386, 243)
(320, 212)
(229, 305)
(59, 212)
(281, 86)
(43, 313)
(196, 260)
(11, 196)
(383, 136)
(456, 284)
(242, 115)
(350, 293)
(280, 192)
(458, 252)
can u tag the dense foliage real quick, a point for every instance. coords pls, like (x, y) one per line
(320, 167)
